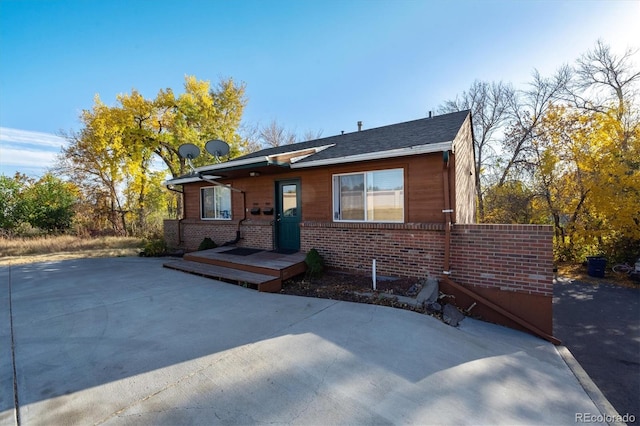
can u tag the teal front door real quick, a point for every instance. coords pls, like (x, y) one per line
(288, 215)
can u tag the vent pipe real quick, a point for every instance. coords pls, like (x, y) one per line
(430, 114)
(359, 125)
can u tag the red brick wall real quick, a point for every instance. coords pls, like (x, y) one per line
(172, 232)
(194, 231)
(510, 265)
(253, 233)
(257, 234)
(404, 250)
(508, 257)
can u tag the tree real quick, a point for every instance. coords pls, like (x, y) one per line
(112, 157)
(273, 135)
(510, 203)
(12, 206)
(526, 111)
(601, 77)
(563, 151)
(50, 203)
(311, 135)
(588, 174)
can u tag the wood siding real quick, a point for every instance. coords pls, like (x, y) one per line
(464, 172)
(423, 192)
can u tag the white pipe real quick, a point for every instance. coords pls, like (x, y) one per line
(373, 274)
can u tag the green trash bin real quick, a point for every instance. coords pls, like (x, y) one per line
(596, 266)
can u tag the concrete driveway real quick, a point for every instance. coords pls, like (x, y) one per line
(124, 341)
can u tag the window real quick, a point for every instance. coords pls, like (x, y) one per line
(369, 197)
(215, 203)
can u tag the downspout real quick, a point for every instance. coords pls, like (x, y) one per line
(169, 187)
(447, 214)
(446, 273)
(244, 217)
(244, 206)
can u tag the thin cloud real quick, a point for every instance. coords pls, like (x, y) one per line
(25, 157)
(33, 138)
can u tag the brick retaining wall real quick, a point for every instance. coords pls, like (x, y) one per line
(508, 257)
(403, 250)
(510, 265)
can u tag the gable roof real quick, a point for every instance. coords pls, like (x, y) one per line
(424, 131)
(412, 137)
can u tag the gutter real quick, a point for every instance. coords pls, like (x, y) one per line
(169, 187)
(446, 273)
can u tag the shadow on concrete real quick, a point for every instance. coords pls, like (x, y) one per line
(101, 339)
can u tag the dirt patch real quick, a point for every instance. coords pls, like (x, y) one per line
(356, 288)
(578, 272)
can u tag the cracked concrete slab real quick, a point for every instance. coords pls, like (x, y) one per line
(125, 341)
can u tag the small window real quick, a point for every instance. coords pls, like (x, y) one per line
(369, 197)
(215, 203)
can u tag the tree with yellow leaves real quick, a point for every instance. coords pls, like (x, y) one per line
(113, 155)
(588, 174)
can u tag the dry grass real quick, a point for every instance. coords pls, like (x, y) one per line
(578, 272)
(15, 251)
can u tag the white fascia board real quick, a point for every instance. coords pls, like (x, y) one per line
(378, 155)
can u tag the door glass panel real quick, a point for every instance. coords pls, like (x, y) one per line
(289, 200)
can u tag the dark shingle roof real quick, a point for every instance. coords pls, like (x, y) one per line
(425, 131)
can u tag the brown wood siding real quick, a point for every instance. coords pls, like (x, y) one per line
(464, 172)
(423, 198)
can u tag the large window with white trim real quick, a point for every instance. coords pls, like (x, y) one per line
(376, 196)
(215, 203)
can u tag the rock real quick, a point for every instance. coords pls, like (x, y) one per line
(413, 290)
(432, 307)
(429, 292)
(451, 315)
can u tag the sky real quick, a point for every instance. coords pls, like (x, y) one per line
(312, 65)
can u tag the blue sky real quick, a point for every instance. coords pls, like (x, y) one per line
(310, 65)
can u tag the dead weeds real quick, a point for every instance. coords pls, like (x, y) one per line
(578, 272)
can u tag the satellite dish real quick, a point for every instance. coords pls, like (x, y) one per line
(217, 148)
(188, 151)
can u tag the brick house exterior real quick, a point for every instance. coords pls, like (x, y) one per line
(374, 194)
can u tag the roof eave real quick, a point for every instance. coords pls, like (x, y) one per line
(232, 164)
(186, 179)
(378, 155)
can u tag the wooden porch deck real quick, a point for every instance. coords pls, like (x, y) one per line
(266, 270)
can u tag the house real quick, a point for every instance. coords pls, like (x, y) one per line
(402, 195)
(388, 176)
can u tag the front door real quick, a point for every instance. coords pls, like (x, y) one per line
(288, 215)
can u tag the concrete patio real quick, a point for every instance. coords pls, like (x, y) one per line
(125, 341)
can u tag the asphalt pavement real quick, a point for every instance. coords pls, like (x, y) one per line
(600, 324)
(125, 341)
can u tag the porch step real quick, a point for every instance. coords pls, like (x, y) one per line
(266, 283)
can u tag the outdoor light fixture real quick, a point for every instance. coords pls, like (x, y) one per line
(254, 174)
